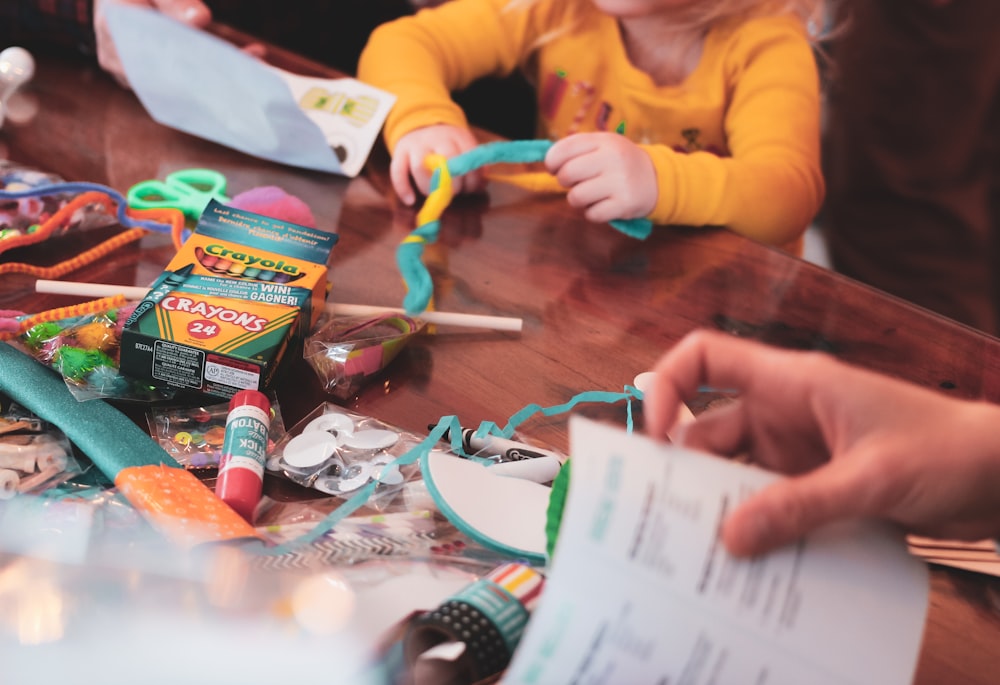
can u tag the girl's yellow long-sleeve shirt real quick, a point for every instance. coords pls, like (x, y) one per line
(735, 144)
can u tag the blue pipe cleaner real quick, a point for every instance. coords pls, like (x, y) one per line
(83, 187)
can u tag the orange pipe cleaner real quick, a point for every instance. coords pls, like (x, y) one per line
(82, 259)
(81, 309)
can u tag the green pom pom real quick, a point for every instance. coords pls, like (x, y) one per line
(75, 363)
(37, 335)
(557, 501)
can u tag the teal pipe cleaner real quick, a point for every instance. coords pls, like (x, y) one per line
(409, 254)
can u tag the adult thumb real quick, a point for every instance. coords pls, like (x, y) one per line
(788, 509)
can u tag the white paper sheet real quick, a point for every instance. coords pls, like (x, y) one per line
(348, 112)
(192, 81)
(642, 591)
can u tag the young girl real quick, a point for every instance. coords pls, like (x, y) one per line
(718, 102)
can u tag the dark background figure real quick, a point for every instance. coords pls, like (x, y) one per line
(912, 157)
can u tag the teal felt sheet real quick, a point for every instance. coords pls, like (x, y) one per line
(111, 440)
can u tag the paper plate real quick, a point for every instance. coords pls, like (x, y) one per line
(504, 514)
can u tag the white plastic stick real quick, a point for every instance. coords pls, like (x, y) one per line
(497, 323)
(89, 289)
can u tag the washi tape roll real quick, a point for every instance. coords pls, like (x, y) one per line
(488, 618)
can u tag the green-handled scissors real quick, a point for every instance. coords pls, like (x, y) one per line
(188, 190)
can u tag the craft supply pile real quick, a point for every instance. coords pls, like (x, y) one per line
(342, 544)
(389, 530)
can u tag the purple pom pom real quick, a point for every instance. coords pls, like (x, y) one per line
(274, 202)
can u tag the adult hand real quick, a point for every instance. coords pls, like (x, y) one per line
(410, 154)
(191, 12)
(855, 443)
(609, 175)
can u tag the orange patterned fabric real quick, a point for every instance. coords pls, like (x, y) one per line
(180, 506)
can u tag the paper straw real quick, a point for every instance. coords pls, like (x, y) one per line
(497, 323)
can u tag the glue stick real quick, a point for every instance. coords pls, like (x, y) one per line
(244, 449)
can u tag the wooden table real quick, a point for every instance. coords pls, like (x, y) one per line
(598, 307)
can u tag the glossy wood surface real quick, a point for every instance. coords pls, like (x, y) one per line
(598, 307)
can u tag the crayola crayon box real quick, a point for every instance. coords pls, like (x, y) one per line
(231, 302)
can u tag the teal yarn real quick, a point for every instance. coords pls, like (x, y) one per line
(409, 260)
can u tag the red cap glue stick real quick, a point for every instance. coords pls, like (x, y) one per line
(244, 449)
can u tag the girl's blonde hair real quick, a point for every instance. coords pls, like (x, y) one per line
(701, 15)
(810, 12)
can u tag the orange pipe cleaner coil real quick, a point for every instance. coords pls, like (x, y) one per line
(110, 204)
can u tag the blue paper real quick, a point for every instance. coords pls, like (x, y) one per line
(192, 81)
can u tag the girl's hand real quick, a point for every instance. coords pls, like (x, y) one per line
(606, 173)
(410, 154)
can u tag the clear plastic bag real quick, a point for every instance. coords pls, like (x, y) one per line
(84, 350)
(338, 452)
(346, 351)
(19, 217)
(34, 455)
(194, 435)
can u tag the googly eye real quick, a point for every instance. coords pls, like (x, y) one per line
(383, 472)
(371, 439)
(308, 450)
(336, 424)
(353, 477)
